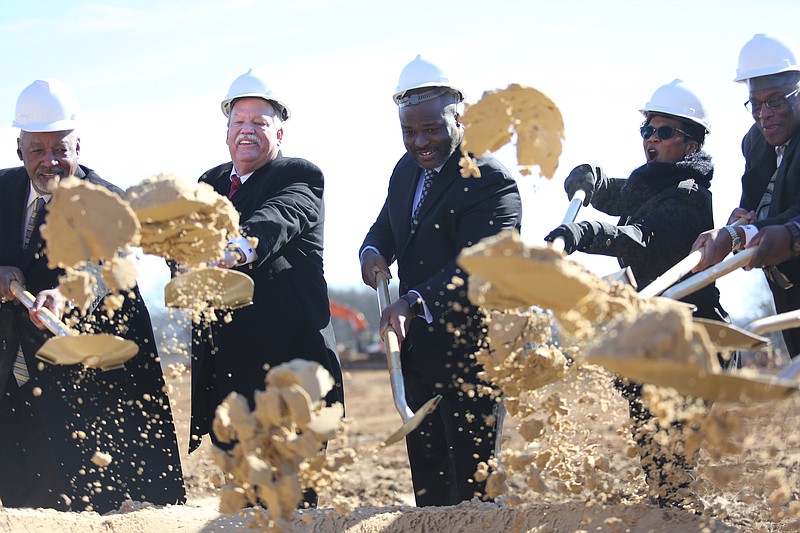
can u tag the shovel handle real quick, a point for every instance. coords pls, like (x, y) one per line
(572, 213)
(392, 345)
(707, 276)
(671, 276)
(674, 274)
(56, 326)
(574, 206)
(774, 323)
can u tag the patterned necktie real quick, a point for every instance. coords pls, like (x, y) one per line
(235, 184)
(429, 175)
(37, 208)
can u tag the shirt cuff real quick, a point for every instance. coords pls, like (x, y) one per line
(368, 247)
(428, 315)
(749, 232)
(243, 244)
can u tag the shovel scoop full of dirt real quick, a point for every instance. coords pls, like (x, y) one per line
(183, 221)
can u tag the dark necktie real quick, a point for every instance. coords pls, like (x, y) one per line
(37, 208)
(235, 184)
(428, 175)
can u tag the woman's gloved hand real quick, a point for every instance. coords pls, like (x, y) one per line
(572, 234)
(583, 178)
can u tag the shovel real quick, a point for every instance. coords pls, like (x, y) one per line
(701, 279)
(411, 420)
(219, 288)
(103, 351)
(721, 333)
(752, 331)
(522, 276)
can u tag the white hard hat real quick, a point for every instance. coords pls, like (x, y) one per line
(678, 100)
(764, 55)
(418, 74)
(46, 105)
(252, 84)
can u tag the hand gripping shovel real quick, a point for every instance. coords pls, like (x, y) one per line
(218, 288)
(411, 420)
(103, 351)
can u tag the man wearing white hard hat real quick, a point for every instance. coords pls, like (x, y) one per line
(280, 203)
(54, 418)
(769, 66)
(430, 214)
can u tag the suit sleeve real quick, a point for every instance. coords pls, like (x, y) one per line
(288, 212)
(380, 235)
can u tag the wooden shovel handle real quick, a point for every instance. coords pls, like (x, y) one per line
(56, 326)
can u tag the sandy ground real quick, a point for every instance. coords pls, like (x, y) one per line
(759, 492)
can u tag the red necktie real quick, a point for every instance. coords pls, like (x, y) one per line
(235, 184)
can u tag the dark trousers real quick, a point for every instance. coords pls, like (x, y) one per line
(30, 475)
(444, 451)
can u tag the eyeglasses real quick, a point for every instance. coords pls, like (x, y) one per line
(754, 106)
(664, 132)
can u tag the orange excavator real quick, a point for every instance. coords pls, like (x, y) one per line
(356, 319)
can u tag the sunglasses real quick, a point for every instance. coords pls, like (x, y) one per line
(664, 132)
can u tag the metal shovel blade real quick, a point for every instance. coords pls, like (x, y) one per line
(697, 382)
(414, 422)
(729, 336)
(103, 351)
(218, 288)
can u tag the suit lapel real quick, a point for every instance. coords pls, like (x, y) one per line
(781, 183)
(12, 211)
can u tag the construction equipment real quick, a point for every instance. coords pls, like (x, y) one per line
(218, 288)
(103, 351)
(356, 319)
(411, 420)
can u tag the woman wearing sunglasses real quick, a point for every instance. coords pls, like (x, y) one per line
(663, 206)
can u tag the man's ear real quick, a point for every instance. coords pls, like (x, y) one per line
(78, 146)
(19, 149)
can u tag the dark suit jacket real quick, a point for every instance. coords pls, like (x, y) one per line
(457, 213)
(760, 164)
(281, 205)
(124, 412)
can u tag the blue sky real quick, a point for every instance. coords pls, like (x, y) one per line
(150, 77)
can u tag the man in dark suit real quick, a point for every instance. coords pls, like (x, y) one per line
(439, 328)
(54, 418)
(771, 181)
(280, 203)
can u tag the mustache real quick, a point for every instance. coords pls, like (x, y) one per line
(55, 170)
(247, 137)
